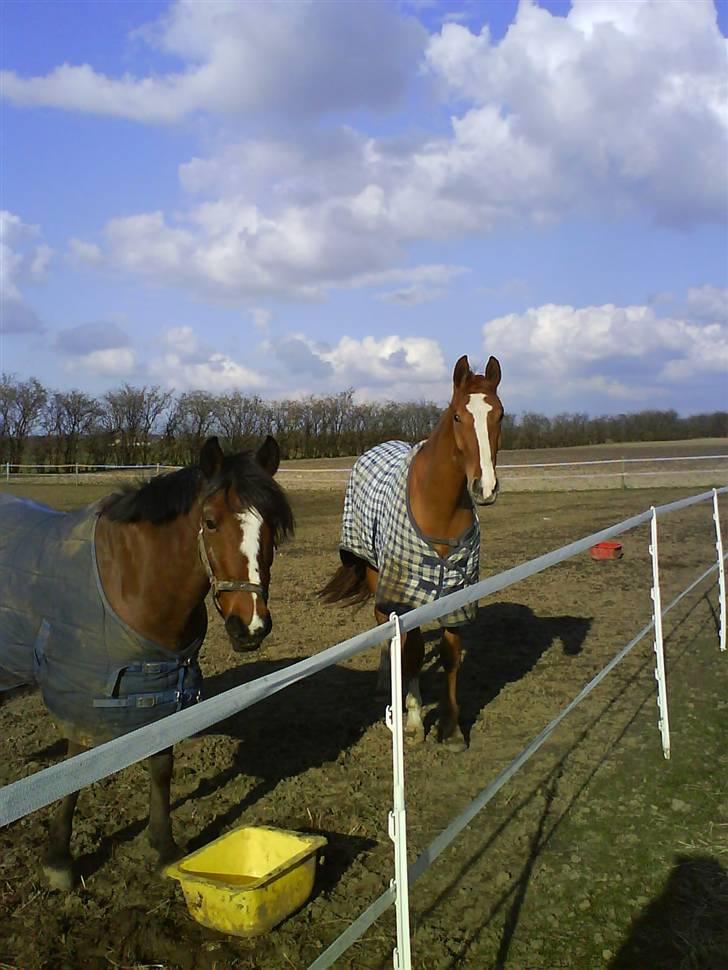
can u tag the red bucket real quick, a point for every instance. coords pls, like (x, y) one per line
(606, 550)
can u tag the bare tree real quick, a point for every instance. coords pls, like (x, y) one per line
(69, 416)
(21, 404)
(195, 416)
(131, 415)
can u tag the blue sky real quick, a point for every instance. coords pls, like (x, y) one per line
(289, 199)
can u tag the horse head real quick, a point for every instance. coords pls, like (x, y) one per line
(477, 414)
(244, 515)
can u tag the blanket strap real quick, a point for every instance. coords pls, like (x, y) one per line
(180, 695)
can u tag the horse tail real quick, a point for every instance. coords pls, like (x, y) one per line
(348, 585)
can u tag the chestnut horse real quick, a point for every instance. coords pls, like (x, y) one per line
(110, 606)
(410, 531)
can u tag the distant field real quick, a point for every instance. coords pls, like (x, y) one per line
(641, 469)
(331, 473)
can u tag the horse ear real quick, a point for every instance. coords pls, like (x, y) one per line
(211, 458)
(461, 372)
(493, 372)
(269, 455)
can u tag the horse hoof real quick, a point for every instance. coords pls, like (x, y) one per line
(60, 877)
(168, 855)
(413, 736)
(455, 742)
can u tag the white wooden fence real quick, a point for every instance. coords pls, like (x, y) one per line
(597, 473)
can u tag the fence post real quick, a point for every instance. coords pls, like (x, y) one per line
(663, 723)
(77, 478)
(401, 957)
(721, 571)
(7, 471)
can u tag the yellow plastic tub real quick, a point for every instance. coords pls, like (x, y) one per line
(249, 880)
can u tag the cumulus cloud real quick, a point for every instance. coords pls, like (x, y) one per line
(102, 349)
(411, 296)
(709, 303)
(387, 360)
(616, 107)
(23, 260)
(186, 363)
(112, 362)
(300, 358)
(88, 338)
(298, 60)
(622, 352)
(624, 97)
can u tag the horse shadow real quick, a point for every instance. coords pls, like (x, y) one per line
(501, 646)
(688, 920)
(316, 730)
(326, 715)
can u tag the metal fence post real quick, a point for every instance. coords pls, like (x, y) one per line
(401, 957)
(664, 722)
(721, 571)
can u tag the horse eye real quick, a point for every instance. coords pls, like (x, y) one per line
(456, 417)
(210, 524)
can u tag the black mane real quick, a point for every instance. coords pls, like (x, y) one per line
(168, 496)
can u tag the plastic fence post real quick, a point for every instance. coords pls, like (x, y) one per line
(401, 957)
(664, 722)
(721, 571)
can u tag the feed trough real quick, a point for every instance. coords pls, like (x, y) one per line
(249, 880)
(606, 550)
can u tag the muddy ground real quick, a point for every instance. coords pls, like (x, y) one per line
(597, 854)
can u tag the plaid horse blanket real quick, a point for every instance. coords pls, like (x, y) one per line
(98, 678)
(378, 526)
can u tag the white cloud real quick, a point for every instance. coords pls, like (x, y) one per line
(392, 367)
(80, 252)
(708, 303)
(112, 362)
(411, 296)
(627, 98)
(261, 318)
(186, 363)
(218, 373)
(23, 260)
(389, 360)
(623, 352)
(618, 107)
(299, 60)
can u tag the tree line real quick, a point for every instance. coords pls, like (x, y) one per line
(146, 425)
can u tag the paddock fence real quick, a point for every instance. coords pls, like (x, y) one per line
(44, 787)
(598, 473)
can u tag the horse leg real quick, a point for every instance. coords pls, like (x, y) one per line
(450, 733)
(412, 659)
(58, 863)
(159, 831)
(384, 682)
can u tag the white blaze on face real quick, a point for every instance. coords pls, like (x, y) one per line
(480, 409)
(250, 523)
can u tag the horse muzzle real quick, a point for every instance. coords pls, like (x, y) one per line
(242, 638)
(478, 496)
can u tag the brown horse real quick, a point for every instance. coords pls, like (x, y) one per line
(128, 655)
(410, 531)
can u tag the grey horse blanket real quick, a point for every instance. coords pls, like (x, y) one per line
(98, 678)
(378, 526)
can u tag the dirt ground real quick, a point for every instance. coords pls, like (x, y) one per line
(581, 861)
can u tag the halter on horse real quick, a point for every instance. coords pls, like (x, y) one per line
(410, 530)
(106, 610)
